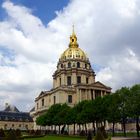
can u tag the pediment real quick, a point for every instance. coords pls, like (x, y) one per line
(99, 84)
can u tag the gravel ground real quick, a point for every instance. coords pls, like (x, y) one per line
(120, 138)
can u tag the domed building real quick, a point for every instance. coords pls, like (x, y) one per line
(73, 81)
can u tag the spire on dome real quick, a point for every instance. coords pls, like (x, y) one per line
(73, 33)
(73, 40)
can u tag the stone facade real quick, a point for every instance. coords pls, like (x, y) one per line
(73, 81)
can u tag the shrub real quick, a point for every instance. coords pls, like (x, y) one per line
(109, 138)
(66, 132)
(37, 132)
(82, 133)
(31, 132)
(2, 134)
(18, 133)
(89, 136)
(99, 135)
(104, 132)
(11, 135)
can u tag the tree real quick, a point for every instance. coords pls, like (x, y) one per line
(60, 116)
(134, 104)
(71, 117)
(113, 115)
(124, 94)
(41, 120)
(98, 110)
(80, 117)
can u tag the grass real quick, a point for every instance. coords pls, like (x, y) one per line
(56, 138)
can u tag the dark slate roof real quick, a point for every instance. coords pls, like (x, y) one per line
(33, 109)
(10, 108)
(15, 116)
(11, 113)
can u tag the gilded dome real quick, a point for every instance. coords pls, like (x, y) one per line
(73, 52)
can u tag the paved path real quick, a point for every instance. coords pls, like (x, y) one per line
(124, 138)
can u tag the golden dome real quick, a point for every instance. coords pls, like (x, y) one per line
(73, 52)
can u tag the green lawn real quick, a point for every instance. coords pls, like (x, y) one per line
(56, 138)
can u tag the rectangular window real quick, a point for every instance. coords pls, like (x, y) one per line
(69, 80)
(69, 98)
(87, 80)
(54, 100)
(78, 79)
(92, 94)
(60, 81)
(42, 102)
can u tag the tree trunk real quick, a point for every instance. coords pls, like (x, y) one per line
(86, 129)
(59, 129)
(113, 134)
(93, 128)
(68, 129)
(55, 127)
(124, 129)
(137, 126)
(104, 123)
(79, 128)
(74, 128)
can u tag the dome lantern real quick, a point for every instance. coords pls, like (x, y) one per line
(73, 40)
(73, 52)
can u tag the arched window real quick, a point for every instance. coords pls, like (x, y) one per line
(78, 64)
(69, 65)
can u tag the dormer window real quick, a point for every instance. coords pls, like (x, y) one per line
(72, 40)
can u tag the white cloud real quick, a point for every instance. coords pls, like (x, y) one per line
(121, 71)
(107, 30)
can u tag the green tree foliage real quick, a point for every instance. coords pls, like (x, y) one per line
(99, 110)
(124, 94)
(113, 112)
(71, 117)
(41, 120)
(134, 105)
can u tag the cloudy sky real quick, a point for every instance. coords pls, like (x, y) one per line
(33, 34)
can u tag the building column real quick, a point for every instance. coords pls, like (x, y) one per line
(80, 95)
(94, 94)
